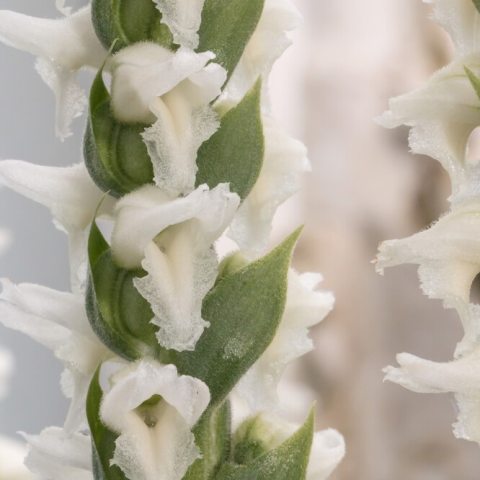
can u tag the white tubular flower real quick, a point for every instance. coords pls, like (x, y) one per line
(183, 18)
(172, 90)
(58, 321)
(461, 20)
(442, 114)
(460, 377)
(172, 240)
(12, 454)
(266, 45)
(284, 164)
(305, 308)
(63, 46)
(153, 409)
(6, 368)
(57, 455)
(71, 196)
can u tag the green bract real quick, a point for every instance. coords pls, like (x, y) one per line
(128, 21)
(103, 439)
(234, 154)
(227, 27)
(289, 461)
(115, 155)
(477, 4)
(474, 80)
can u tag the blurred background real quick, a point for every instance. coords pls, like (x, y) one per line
(348, 59)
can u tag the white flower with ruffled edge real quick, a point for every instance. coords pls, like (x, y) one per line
(268, 42)
(58, 321)
(63, 46)
(58, 455)
(183, 18)
(284, 164)
(305, 307)
(70, 195)
(172, 91)
(172, 239)
(153, 409)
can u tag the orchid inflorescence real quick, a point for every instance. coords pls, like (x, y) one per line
(443, 116)
(163, 342)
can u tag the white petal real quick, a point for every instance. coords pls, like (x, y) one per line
(461, 20)
(266, 45)
(283, 166)
(60, 4)
(144, 71)
(442, 114)
(12, 454)
(183, 18)
(460, 376)
(56, 455)
(58, 321)
(328, 450)
(63, 46)
(145, 213)
(305, 307)
(155, 442)
(6, 369)
(175, 287)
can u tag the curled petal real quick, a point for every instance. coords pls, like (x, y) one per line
(142, 215)
(153, 410)
(283, 166)
(57, 455)
(305, 308)
(327, 452)
(63, 46)
(183, 18)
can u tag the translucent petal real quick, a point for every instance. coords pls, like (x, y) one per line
(283, 166)
(266, 45)
(60, 4)
(327, 452)
(145, 213)
(183, 18)
(57, 455)
(305, 307)
(12, 454)
(155, 440)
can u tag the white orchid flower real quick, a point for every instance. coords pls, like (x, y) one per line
(6, 368)
(183, 18)
(442, 114)
(153, 409)
(284, 164)
(172, 239)
(461, 20)
(58, 321)
(305, 307)
(12, 455)
(268, 42)
(58, 455)
(460, 377)
(328, 447)
(172, 91)
(63, 46)
(71, 196)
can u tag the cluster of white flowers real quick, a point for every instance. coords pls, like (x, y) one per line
(167, 227)
(443, 115)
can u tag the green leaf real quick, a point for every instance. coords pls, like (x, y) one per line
(289, 461)
(477, 4)
(115, 155)
(103, 439)
(235, 152)
(127, 22)
(474, 80)
(118, 314)
(213, 437)
(244, 310)
(226, 28)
